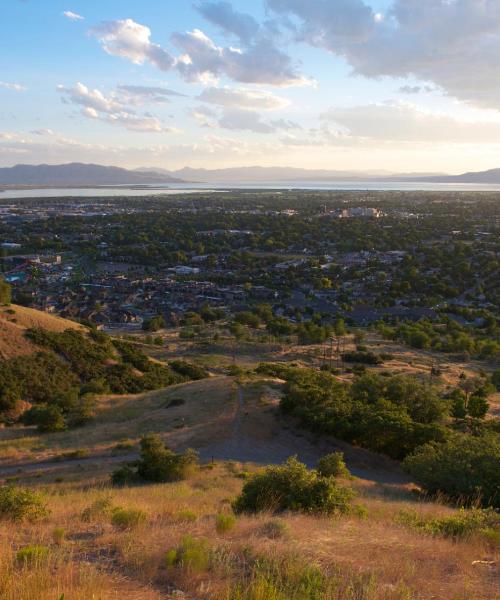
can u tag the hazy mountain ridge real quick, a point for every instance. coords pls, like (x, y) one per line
(74, 174)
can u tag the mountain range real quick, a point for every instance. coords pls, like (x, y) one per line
(79, 174)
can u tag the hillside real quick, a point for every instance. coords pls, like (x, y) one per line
(79, 174)
(15, 320)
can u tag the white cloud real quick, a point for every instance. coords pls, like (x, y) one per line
(200, 59)
(399, 122)
(131, 40)
(111, 109)
(72, 16)
(15, 87)
(243, 98)
(141, 94)
(453, 43)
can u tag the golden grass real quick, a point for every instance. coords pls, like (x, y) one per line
(372, 558)
(14, 320)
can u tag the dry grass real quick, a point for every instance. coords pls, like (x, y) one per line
(14, 320)
(373, 556)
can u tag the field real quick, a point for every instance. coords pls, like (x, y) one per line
(374, 553)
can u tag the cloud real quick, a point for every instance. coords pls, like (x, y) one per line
(111, 109)
(398, 122)
(200, 59)
(222, 14)
(15, 87)
(72, 16)
(248, 120)
(454, 44)
(130, 40)
(243, 98)
(263, 63)
(140, 94)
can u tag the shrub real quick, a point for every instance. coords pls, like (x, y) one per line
(465, 468)
(18, 504)
(192, 555)
(462, 525)
(224, 522)
(58, 535)
(47, 417)
(32, 555)
(127, 518)
(100, 508)
(188, 369)
(275, 529)
(332, 465)
(365, 358)
(293, 487)
(124, 475)
(186, 516)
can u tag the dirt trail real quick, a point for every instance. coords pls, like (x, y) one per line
(242, 429)
(256, 435)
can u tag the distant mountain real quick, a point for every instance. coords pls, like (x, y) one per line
(280, 174)
(76, 174)
(269, 174)
(490, 176)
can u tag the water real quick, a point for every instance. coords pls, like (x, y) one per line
(193, 188)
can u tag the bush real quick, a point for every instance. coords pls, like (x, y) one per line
(460, 526)
(188, 369)
(293, 486)
(153, 324)
(365, 358)
(100, 508)
(224, 522)
(465, 468)
(47, 417)
(157, 463)
(58, 535)
(18, 504)
(192, 555)
(127, 518)
(332, 465)
(275, 529)
(32, 555)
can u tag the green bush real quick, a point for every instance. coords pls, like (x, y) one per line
(48, 418)
(127, 518)
(99, 509)
(192, 555)
(332, 465)
(157, 463)
(58, 535)
(30, 555)
(224, 522)
(465, 469)
(18, 504)
(188, 369)
(293, 486)
(460, 526)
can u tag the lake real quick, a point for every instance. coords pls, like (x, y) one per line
(193, 188)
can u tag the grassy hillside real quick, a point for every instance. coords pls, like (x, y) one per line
(183, 539)
(15, 320)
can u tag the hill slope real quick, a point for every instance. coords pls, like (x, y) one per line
(14, 320)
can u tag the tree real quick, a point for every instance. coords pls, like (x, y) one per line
(465, 468)
(339, 327)
(5, 292)
(154, 323)
(478, 406)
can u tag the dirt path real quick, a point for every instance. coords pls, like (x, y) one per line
(256, 435)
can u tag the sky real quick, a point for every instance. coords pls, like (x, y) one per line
(351, 85)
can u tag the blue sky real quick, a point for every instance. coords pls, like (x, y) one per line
(396, 85)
